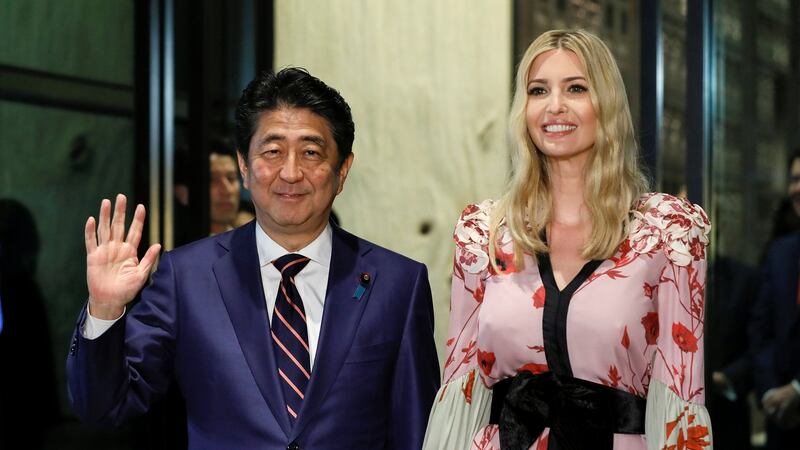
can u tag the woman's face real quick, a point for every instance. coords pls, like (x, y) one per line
(559, 113)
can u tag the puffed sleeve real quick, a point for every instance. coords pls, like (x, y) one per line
(463, 403)
(676, 414)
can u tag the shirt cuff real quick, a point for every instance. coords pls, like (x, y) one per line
(93, 327)
(796, 386)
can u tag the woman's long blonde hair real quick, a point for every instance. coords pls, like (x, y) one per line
(613, 178)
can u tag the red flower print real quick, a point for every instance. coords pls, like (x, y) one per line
(538, 298)
(693, 439)
(613, 377)
(686, 341)
(485, 440)
(626, 341)
(534, 368)
(478, 292)
(614, 274)
(697, 249)
(649, 290)
(505, 261)
(680, 220)
(624, 248)
(470, 209)
(486, 361)
(467, 389)
(672, 424)
(650, 324)
(467, 258)
(468, 351)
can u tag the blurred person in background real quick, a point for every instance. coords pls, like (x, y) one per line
(787, 217)
(733, 287)
(776, 323)
(225, 190)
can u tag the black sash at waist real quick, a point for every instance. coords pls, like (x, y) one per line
(579, 413)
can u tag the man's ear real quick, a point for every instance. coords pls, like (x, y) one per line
(344, 169)
(243, 169)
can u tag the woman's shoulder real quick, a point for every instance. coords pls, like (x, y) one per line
(677, 225)
(660, 205)
(471, 236)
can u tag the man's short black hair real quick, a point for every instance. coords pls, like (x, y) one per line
(222, 145)
(293, 87)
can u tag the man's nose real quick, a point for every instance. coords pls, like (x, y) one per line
(290, 171)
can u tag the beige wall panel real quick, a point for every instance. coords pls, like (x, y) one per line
(429, 85)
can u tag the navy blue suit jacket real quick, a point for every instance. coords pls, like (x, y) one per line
(776, 317)
(203, 323)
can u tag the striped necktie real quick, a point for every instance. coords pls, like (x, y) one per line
(290, 335)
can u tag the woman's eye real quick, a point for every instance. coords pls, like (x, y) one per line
(536, 90)
(577, 89)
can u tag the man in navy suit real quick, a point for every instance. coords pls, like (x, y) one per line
(776, 334)
(285, 333)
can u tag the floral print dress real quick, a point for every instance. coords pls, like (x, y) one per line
(633, 322)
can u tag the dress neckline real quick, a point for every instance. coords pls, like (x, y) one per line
(549, 279)
(556, 307)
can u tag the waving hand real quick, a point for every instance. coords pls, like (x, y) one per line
(114, 273)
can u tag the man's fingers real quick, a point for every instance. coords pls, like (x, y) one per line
(137, 225)
(149, 258)
(90, 235)
(118, 222)
(103, 219)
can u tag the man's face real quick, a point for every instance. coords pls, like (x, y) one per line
(293, 173)
(224, 190)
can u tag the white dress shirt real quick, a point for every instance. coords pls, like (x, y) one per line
(311, 283)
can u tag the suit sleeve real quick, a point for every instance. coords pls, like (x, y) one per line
(416, 376)
(119, 374)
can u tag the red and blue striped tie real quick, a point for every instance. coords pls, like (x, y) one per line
(290, 335)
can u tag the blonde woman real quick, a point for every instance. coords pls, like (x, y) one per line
(577, 300)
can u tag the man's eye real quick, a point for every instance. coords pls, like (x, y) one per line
(536, 90)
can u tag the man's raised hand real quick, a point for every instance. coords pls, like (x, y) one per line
(114, 274)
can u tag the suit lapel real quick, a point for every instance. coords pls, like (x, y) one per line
(239, 277)
(340, 319)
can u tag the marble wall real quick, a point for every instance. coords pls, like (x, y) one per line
(429, 83)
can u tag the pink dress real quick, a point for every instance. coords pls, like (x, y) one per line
(633, 322)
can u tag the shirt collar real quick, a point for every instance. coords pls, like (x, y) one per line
(319, 250)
